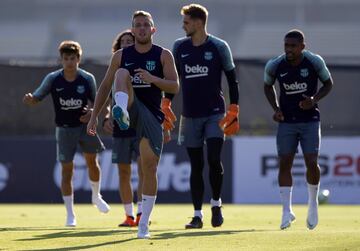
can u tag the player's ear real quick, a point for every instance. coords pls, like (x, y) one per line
(303, 45)
(153, 30)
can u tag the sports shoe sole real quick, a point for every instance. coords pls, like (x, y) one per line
(117, 113)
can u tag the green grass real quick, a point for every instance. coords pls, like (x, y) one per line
(255, 227)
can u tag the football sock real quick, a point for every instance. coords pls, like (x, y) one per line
(313, 192)
(148, 202)
(215, 203)
(285, 196)
(139, 207)
(129, 209)
(69, 204)
(198, 213)
(95, 188)
(121, 100)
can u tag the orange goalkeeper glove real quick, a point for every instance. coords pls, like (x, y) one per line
(230, 123)
(170, 117)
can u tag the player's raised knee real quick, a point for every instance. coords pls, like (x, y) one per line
(122, 73)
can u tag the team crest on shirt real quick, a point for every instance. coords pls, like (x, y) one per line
(208, 55)
(150, 65)
(80, 89)
(304, 72)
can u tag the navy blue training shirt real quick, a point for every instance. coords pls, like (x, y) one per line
(149, 94)
(200, 69)
(296, 81)
(69, 98)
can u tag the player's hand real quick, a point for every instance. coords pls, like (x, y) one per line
(91, 126)
(108, 125)
(230, 123)
(29, 99)
(87, 114)
(307, 103)
(170, 117)
(144, 75)
(167, 136)
(278, 116)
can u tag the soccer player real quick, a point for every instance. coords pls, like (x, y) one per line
(297, 72)
(200, 59)
(73, 91)
(141, 72)
(125, 145)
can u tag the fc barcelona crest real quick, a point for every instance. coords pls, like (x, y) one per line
(80, 89)
(208, 55)
(150, 65)
(304, 72)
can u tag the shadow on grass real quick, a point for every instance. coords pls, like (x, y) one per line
(24, 229)
(84, 246)
(192, 233)
(76, 233)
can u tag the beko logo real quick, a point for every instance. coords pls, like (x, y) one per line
(295, 88)
(138, 82)
(196, 71)
(68, 104)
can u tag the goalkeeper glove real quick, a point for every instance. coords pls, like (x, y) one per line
(230, 123)
(170, 117)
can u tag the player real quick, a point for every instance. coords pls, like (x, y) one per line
(125, 144)
(141, 72)
(73, 91)
(200, 59)
(297, 72)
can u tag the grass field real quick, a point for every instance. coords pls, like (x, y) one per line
(255, 227)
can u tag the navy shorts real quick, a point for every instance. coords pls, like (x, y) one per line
(194, 131)
(146, 125)
(68, 138)
(290, 134)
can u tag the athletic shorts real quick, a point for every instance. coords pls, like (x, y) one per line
(124, 149)
(194, 131)
(146, 125)
(290, 134)
(68, 138)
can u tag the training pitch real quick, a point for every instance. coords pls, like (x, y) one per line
(246, 227)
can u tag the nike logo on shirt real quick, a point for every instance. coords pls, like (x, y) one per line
(283, 74)
(59, 89)
(128, 64)
(184, 55)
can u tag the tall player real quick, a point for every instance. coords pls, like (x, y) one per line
(125, 146)
(200, 59)
(73, 92)
(297, 72)
(141, 73)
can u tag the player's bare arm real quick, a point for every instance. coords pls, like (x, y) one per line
(270, 94)
(103, 91)
(309, 102)
(29, 99)
(170, 82)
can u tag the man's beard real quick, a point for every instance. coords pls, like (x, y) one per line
(144, 41)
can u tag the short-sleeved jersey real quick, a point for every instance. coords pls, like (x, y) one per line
(296, 81)
(200, 69)
(69, 98)
(149, 94)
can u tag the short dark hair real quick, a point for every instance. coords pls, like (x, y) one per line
(195, 11)
(117, 41)
(297, 34)
(142, 13)
(70, 47)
